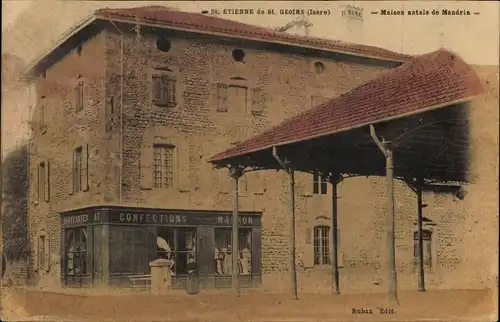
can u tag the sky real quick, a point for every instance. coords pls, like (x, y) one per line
(30, 28)
(475, 37)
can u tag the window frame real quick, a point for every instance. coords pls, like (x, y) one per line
(226, 234)
(321, 245)
(83, 253)
(427, 244)
(163, 170)
(320, 184)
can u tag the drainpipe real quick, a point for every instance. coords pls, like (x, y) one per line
(421, 280)
(293, 270)
(387, 152)
(121, 113)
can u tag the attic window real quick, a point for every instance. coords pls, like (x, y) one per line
(79, 50)
(238, 55)
(319, 67)
(163, 44)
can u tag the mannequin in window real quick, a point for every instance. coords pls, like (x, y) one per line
(219, 259)
(245, 261)
(191, 265)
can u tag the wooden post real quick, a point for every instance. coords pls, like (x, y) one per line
(335, 273)
(421, 281)
(235, 172)
(291, 245)
(393, 280)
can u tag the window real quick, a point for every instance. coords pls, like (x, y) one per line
(238, 55)
(163, 44)
(163, 166)
(321, 245)
(427, 242)
(127, 250)
(178, 245)
(223, 251)
(319, 67)
(164, 90)
(76, 252)
(237, 96)
(79, 97)
(319, 184)
(78, 170)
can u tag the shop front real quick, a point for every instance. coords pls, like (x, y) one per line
(114, 245)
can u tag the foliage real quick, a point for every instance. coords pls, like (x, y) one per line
(15, 203)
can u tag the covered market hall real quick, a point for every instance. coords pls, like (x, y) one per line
(410, 123)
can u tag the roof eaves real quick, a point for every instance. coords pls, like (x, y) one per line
(228, 154)
(29, 73)
(239, 35)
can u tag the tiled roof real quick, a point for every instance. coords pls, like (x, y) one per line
(430, 81)
(197, 22)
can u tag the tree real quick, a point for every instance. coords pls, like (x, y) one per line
(14, 215)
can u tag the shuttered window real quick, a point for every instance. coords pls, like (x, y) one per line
(164, 90)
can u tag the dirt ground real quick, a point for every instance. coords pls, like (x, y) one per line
(446, 305)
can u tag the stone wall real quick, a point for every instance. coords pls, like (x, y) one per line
(53, 142)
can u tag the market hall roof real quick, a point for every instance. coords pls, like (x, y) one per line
(169, 18)
(432, 85)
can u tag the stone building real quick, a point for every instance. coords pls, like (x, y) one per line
(132, 102)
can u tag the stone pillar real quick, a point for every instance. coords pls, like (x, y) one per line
(161, 278)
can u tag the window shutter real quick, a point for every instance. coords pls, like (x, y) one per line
(171, 88)
(256, 251)
(147, 166)
(77, 97)
(85, 167)
(308, 249)
(71, 176)
(38, 183)
(47, 182)
(183, 167)
(81, 96)
(257, 102)
(47, 253)
(36, 256)
(222, 97)
(157, 89)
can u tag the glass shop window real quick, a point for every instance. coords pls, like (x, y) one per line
(178, 245)
(76, 252)
(127, 250)
(223, 251)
